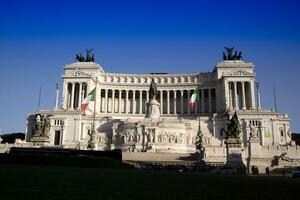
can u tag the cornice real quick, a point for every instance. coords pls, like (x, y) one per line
(234, 64)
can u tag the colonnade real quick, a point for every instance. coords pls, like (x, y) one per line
(241, 95)
(75, 93)
(124, 101)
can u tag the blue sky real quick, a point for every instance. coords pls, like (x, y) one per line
(38, 37)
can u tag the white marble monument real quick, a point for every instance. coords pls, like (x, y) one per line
(168, 127)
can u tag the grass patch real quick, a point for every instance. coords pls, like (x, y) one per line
(52, 182)
(62, 160)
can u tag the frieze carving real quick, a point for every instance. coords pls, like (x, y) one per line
(235, 64)
(238, 73)
(161, 78)
(173, 138)
(102, 139)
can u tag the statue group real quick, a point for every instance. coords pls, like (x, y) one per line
(42, 126)
(233, 127)
(230, 55)
(89, 56)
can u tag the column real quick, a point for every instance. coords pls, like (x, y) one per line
(120, 96)
(230, 96)
(202, 100)
(106, 101)
(141, 101)
(161, 101)
(252, 97)
(209, 100)
(235, 96)
(181, 101)
(133, 102)
(72, 96)
(226, 95)
(79, 98)
(113, 101)
(243, 96)
(147, 94)
(258, 97)
(168, 101)
(188, 101)
(64, 95)
(126, 102)
(174, 101)
(56, 97)
(147, 101)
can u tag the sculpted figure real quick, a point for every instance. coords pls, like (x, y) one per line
(38, 127)
(253, 131)
(233, 127)
(89, 56)
(152, 90)
(79, 58)
(230, 55)
(41, 126)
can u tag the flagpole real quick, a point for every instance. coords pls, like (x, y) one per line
(92, 141)
(199, 103)
(94, 116)
(199, 142)
(274, 94)
(39, 101)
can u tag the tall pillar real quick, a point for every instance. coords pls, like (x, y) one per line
(161, 101)
(235, 96)
(133, 102)
(174, 101)
(119, 104)
(258, 97)
(147, 100)
(141, 102)
(56, 97)
(243, 96)
(79, 98)
(106, 101)
(147, 94)
(202, 101)
(188, 101)
(226, 100)
(72, 96)
(113, 101)
(64, 95)
(126, 102)
(230, 96)
(181, 102)
(252, 95)
(209, 100)
(168, 101)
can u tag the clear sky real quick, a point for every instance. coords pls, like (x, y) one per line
(38, 37)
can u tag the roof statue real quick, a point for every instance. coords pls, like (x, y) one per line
(230, 55)
(89, 56)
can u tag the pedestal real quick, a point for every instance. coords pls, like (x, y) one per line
(40, 140)
(234, 153)
(153, 111)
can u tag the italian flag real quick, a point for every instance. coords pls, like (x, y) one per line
(90, 97)
(194, 99)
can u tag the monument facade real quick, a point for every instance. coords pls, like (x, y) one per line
(149, 114)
